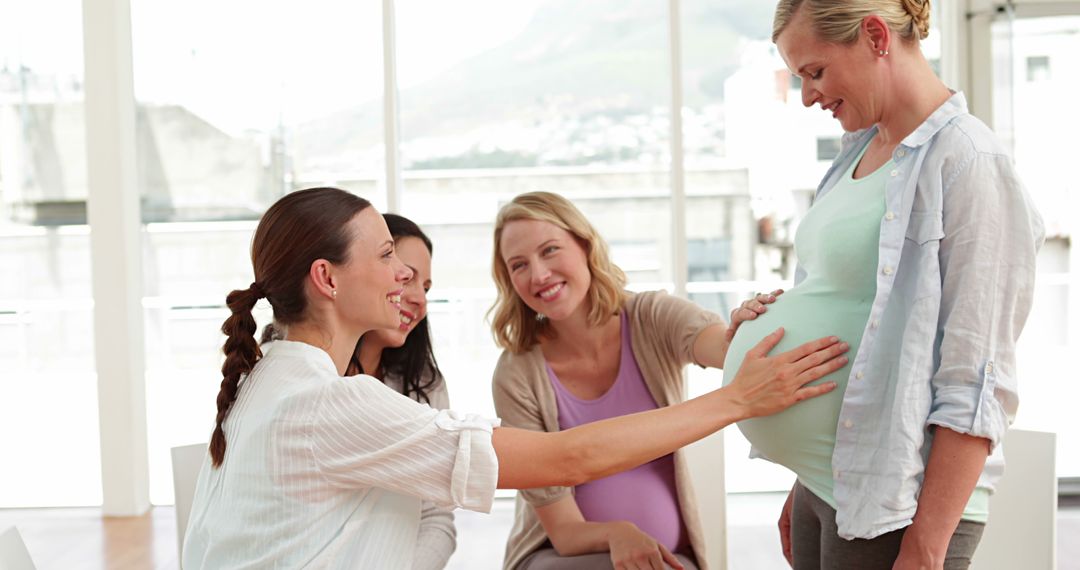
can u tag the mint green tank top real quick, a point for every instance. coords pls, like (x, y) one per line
(837, 244)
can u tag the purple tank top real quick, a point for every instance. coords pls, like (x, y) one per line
(645, 495)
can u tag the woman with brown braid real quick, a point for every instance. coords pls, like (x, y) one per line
(308, 468)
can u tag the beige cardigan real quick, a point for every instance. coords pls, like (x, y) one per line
(663, 329)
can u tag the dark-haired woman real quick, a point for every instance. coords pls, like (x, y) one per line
(403, 359)
(310, 469)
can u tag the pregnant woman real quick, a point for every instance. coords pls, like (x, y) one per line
(919, 250)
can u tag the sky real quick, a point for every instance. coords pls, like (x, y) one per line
(246, 64)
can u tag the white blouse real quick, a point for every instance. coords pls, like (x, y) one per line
(322, 471)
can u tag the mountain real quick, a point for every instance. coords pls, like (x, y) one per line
(574, 59)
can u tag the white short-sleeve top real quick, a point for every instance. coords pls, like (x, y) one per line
(324, 471)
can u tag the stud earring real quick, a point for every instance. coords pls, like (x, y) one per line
(333, 293)
(883, 52)
(540, 317)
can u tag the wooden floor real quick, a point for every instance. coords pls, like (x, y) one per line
(81, 539)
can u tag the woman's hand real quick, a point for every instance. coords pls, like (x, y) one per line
(767, 384)
(917, 552)
(632, 549)
(952, 472)
(749, 310)
(785, 528)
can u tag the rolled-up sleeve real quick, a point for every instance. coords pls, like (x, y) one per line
(364, 434)
(992, 235)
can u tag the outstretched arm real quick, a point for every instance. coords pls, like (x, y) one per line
(764, 385)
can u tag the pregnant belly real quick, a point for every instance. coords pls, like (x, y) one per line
(802, 437)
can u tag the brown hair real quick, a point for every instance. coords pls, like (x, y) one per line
(514, 324)
(838, 21)
(298, 229)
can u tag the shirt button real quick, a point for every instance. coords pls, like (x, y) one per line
(888, 270)
(835, 474)
(989, 368)
(901, 153)
(890, 216)
(873, 324)
(894, 173)
(848, 424)
(859, 375)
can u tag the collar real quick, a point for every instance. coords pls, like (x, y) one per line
(304, 351)
(952, 107)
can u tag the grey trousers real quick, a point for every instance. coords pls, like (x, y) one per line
(816, 545)
(547, 559)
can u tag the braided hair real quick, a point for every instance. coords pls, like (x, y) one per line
(298, 229)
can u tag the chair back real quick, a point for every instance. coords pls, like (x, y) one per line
(187, 460)
(13, 553)
(1022, 529)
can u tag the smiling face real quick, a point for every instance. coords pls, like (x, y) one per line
(415, 255)
(370, 284)
(841, 78)
(547, 266)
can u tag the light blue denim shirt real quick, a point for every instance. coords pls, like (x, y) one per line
(956, 274)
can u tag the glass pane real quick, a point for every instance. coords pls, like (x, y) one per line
(225, 128)
(1035, 74)
(740, 209)
(537, 95)
(743, 116)
(46, 316)
(931, 46)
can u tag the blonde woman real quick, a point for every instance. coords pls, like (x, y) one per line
(580, 349)
(920, 249)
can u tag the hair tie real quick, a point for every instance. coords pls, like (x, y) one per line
(256, 290)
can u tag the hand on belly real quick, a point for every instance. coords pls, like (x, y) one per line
(803, 434)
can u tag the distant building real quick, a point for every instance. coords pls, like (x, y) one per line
(188, 169)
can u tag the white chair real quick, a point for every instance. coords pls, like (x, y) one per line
(186, 462)
(1022, 529)
(13, 553)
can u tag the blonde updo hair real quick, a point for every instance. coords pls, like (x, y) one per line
(514, 325)
(838, 21)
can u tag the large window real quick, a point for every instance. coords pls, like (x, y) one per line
(737, 97)
(225, 127)
(241, 102)
(48, 388)
(543, 95)
(1036, 75)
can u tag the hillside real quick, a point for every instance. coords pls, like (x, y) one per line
(574, 61)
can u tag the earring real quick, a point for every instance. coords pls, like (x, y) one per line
(883, 52)
(333, 293)
(540, 317)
